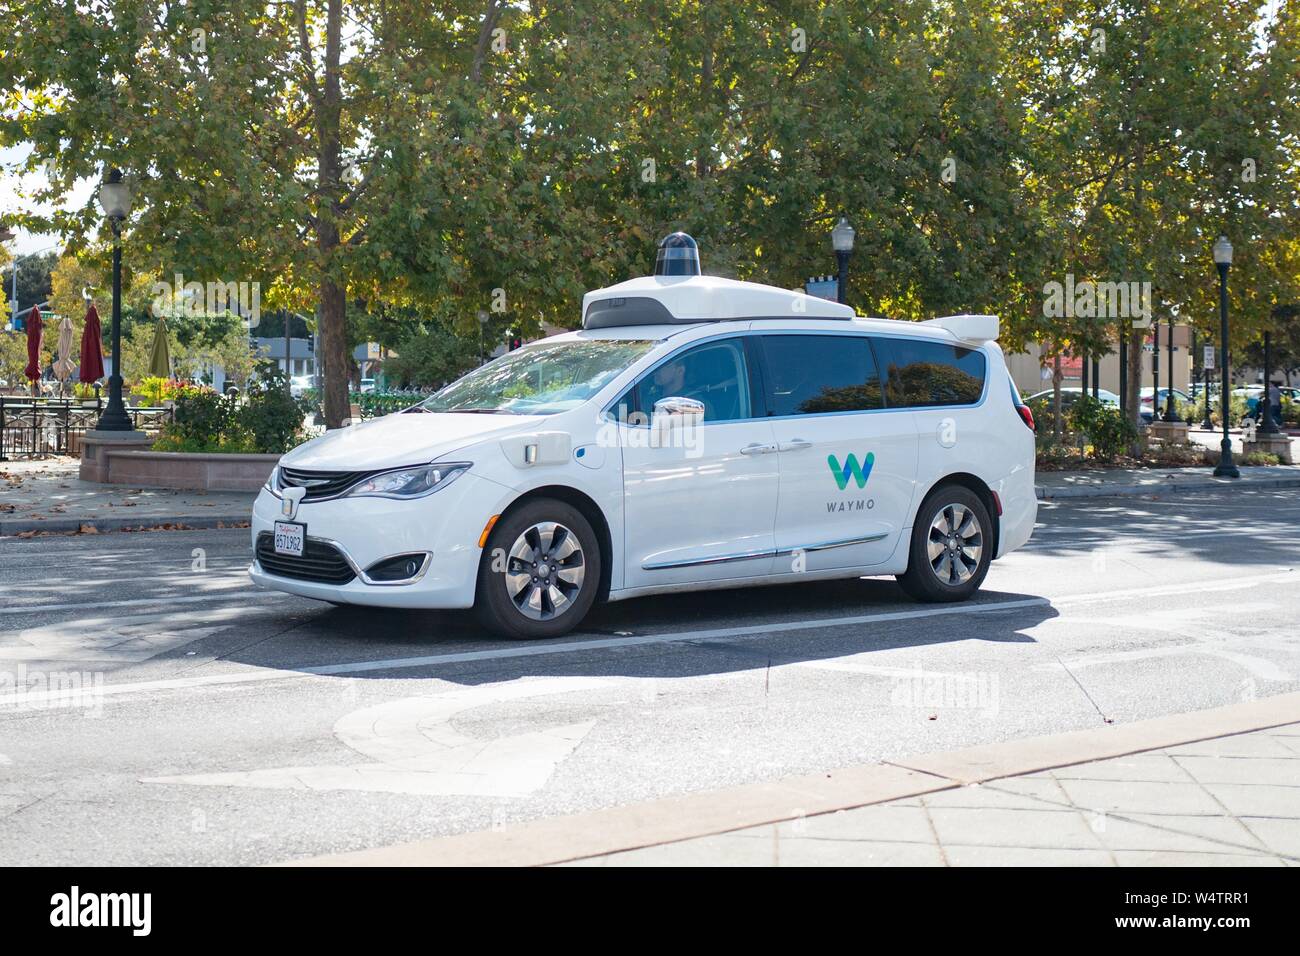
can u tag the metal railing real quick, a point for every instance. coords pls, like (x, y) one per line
(40, 427)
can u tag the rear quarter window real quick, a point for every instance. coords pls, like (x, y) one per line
(921, 374)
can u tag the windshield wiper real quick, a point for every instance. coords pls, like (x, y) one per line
(480, 411)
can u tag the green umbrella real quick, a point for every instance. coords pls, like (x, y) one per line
(160, 358)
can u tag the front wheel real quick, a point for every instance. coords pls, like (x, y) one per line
(952, 545)
(540, 571)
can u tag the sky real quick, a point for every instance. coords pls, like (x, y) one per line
(10, 200)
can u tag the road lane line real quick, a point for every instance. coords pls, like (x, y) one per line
(675, 637)
(244, 594)
(505, 653)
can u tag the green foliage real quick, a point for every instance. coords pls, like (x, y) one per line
(203, 417)
(374, 404)
(410, 171)
(1109, 433)
(270, 415)
(267, 421)
(1259, 458)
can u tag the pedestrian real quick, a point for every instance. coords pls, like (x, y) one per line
(1275, 402)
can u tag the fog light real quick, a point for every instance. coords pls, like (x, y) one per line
(402, 567)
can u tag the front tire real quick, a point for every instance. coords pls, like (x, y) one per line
(540, 571)
(951, 548)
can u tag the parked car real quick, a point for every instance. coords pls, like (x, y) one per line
(1147, 394)
(367, 385)
(1071, 395)
(696, 433)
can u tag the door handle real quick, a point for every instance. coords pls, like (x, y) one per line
(795, 444)
(758, 449)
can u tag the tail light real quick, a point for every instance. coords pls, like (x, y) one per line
(1026, 416)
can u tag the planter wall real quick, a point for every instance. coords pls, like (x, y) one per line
(185, 470)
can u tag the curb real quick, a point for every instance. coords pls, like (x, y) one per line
(1045, 493)
(14, 526)
(689, 816)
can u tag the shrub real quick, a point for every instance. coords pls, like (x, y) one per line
(1109, 433)
(1259, 458)
(271, 415)
(202, 418)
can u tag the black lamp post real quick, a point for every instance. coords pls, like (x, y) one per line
(842, 241)
(1155, 372)
(115, 199)
(1205, 376)
(1223, 259)
(1171, 411)
(1266, 426)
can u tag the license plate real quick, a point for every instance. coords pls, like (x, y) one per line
(289, 538)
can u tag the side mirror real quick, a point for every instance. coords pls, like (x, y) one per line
(677, 412)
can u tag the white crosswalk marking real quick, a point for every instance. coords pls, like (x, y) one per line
(415, 748)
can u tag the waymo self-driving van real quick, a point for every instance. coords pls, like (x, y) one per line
(697, 432)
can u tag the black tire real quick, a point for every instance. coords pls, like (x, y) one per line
(527, 599)
(955, 572)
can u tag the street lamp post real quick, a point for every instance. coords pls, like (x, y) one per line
(1223, 259)
(1171, 412)
(115, 199)
(1205, 375)
(1155, 373)
(1265, 405)
(842, 241)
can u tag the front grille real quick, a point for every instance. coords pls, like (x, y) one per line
(320, 562)
(320, 484)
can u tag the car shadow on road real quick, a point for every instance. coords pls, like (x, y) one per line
(674, 635)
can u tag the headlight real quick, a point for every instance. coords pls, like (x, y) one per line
(273, 481)
(410, 482)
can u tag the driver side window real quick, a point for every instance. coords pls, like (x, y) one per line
(714, 373)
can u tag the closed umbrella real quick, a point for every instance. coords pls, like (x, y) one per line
(34, 331)
(92, 355)
(66, 363)
(160, 359)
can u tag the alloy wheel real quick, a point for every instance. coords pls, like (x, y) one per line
(955, 544)
(545, 570)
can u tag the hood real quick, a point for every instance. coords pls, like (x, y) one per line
(401, 439)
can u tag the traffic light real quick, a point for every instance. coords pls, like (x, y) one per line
(515, 342)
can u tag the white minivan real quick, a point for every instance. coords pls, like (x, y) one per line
(697, 432)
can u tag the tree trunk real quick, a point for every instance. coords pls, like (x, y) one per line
(1136, 339)
(334, 346)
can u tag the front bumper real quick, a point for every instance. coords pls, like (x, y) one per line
(446, 524)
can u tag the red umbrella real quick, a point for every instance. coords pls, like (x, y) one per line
(92, 356)
(34, 330)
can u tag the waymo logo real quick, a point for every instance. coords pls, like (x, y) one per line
(851, 469)
(102, 909)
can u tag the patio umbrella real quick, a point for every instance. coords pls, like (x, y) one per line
(92, 356)
(34, 330)
(160, 359)
(64, 366)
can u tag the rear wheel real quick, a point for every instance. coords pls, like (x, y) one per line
(540, 571)
(952, 541)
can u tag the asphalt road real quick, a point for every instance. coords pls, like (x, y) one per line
(155, 708)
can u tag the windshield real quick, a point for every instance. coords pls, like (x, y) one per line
(539, 379)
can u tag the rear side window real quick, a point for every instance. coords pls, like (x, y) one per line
(815, 374)
(919, 374)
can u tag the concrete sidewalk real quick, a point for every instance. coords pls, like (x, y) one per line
(1139, 482)
(46, 495)
(1212, 788)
